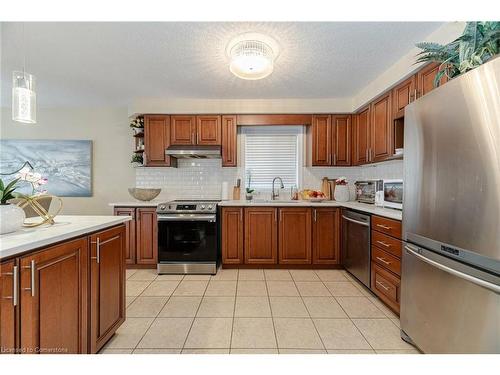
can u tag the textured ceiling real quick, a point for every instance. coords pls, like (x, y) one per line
(87, 64)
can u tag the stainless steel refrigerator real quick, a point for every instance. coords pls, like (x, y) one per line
(450, 293)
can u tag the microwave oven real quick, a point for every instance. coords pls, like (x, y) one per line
(393, 194)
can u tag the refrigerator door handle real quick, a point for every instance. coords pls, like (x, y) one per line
(442, 267)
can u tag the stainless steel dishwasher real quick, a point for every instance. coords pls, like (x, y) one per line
(356, 251)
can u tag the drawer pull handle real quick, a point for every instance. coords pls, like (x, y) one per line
(384, 226)
(383, 286)
(383, 260)
(384, 243)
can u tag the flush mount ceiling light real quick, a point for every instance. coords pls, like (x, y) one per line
(252, 56)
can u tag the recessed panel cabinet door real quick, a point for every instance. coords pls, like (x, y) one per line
(361, 137)
(156, 140)
(183, 130)
(326, 236)
(425, 79)
(130, 232)
(381, 129)
(9, 302)
(147, 236)
(295, 236)
(232, 235)
(54, 299)
(402, 95)
(107, 276)
(229, 141)
(341, 140)
(208, 130)
(321, 140)
(261, 235)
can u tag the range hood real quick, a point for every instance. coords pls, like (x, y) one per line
(194, 152)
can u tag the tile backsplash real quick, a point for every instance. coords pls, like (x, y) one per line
(203, 178)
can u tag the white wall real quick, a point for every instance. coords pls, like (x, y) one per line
(108, 128)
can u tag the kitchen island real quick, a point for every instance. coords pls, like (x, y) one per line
(62, 286)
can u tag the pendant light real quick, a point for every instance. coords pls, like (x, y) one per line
(23, 94)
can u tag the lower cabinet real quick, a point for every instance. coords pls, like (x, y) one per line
(386, 286)
(261, 235)
(269, 236)
(295, 245)
(142, 236)
(54, 299)
(107, 286)
(9, 306)
(326, 235)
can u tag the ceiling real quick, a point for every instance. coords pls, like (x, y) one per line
(112, 63)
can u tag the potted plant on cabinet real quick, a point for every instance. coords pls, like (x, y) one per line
(11, 216)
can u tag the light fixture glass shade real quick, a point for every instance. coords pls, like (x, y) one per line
(23, 98)
(251, 59)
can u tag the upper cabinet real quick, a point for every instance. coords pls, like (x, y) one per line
(402, 95)
(341, 140)
(183, 130)
(208, 130)
(195, 130)
(361, 137)
(156, 140)
(425, 79)
(381, 129)
(321, 140)
(229, 141)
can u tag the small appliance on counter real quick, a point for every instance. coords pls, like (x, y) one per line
(187, 237)
(366, 191)
(393, 194)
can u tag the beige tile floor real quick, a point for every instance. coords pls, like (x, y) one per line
(254, 311)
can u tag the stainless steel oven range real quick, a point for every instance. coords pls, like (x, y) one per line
(187, 237)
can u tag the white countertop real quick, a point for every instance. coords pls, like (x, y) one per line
(136, 203)
(364, 207)
(65, 227)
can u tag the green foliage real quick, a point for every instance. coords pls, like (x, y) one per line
(7, 192)
(250, 191)
(479, 42)
(137, 158)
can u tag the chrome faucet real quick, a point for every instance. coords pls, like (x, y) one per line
(273, 194)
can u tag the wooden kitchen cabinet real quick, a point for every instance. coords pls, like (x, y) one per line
(156, 140)
(54, 299)
(386, 286)
(295, 235)
(381, 129)
(130, 232)
(9, 307)
(361, 137)
(208, 130)
(326, 235)
(402, 95)
(341, 140)
(107, 287)
(229, 141)
(147, 236)
(182, 130)
(232, 235)
(261, 235)
(425, 79)
(321, 140)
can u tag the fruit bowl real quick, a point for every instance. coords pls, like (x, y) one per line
(312, 195)
(312, 199)
(144, 194)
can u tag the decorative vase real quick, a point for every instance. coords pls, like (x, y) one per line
(341, 193)
(11, 218)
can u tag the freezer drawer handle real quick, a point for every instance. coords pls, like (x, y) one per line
(383, 260)
(383, 286)
(356, 221)
(383, 243)
(442, 267)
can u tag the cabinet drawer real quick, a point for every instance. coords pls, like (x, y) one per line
(386, 260)
(386, 286)
(387, 226)
(387, 243)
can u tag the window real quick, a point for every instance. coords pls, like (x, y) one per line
(272, 151)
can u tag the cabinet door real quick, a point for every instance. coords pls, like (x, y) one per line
(321, 140)
(361, 137)
(326, 236)
(386, 286)
(425, 79)
(261, 235)
(295, 245)
(9, 302)
(341, 140)
(381, 129)
(402, 95)
(229, 141)
(130, 232)
(54, 299)
(147, 236)
(183, 130)
(208, 130)
(156, 140)
(107, 280)
(232, 235)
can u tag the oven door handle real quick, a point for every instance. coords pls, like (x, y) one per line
(208, 218)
